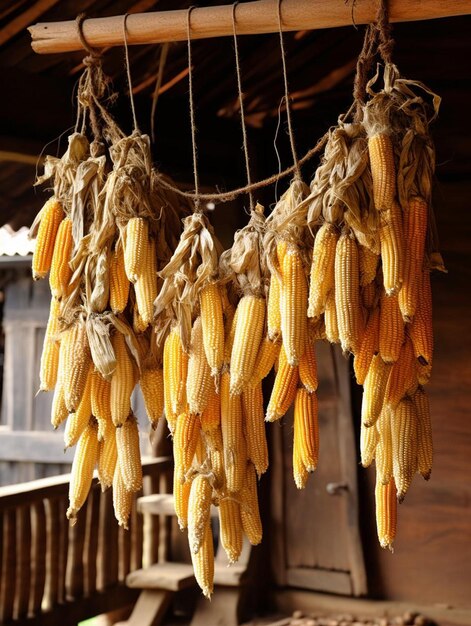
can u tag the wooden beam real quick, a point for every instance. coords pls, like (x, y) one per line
(256, 17)
(21, 22)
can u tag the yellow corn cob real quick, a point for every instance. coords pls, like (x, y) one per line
(424, 372)
(373, 390)
(293, 302)
(129, 454)
(201, 452)
(138, 324)
(284, 389)
(181, 496)
(266, 357)
(273, 309)
(415, 231)
(368, 263)
(175, 374)
(386, 513)
(331, 322)
(383, 170)
(78, 421)
(122, 499)
(231, 528)
(199, 382)
(306, 428)
(391, 240)
(403, 377)
(211, 416)
(203, 563)
(50, 353)
(51, 217)
(146, 284)
(59, 411)
(107, 458)
(77, 361)
(152, 387)
(249, 511)
(230, 324)
(199, 508)
(213, 327)
(421, 330)
(135, 249)
(368, 348)
(347, 293)
(369, 295)
(247, 338)
(100, 392)
(300, 473)
(185, 439)
(322, 269)
(61, 272)
(235, 453)
(308, 368)
(119, 283)
(404, 445)
(316, 328)
(384, 455)
(122, 381)
(85, 459)
(254, 420)
(368, 444)
(391, 329)
(425, 442)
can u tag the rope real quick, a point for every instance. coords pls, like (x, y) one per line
(128, 72)
(196, 195)
(241, 103)
(297, 168)
(158, 84)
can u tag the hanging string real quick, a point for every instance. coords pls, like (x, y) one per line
(386, 42)
(364, 64)
(86, 87)
(241, 104)
(196, 195)
(297, 168)
(158, 84)
(128, 72)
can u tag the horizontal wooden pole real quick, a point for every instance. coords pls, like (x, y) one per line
(256, 17)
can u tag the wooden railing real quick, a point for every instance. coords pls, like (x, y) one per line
(55, 573)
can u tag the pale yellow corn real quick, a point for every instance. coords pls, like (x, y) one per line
(293, 302)
(404, 431)
(386, 513)
(231, 528)
(266, 357)
(331, 321)
(100, 392)
(373, 390)
(122, 381)
(249, 511)
(135, 250)
(254, 420)
(199, 381)
(85, 459)
(185, 440)
(232, 427)
(122, 499)
(247, 338)
(203, 564)
(211, 416)
(77, 360)
(175, 361)
(107, 459)
(347, 293)
(384, 453)
(145, 285)
(308, 368)
(51, 217)
(273, 309)
(368, 444)
(199, 508)
(129, 454)
(181, 497)
(391, 240)
(152, 387)
(322, 269)
(391, 328)
(50, 353)
(213, 327)
(59, 411)
(383, 170)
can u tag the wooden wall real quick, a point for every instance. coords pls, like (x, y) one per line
(432, 558)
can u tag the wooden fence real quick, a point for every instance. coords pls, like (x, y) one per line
(52, 572)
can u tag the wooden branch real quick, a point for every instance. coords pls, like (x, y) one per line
(256, 17)
(18, 24)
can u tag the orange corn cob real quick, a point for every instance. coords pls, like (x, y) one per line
(391, 329)
(368, 347)
(322, 269)
(293, 301)
(61, 272)
(284, 389)
(51, 217)
(254, 420)
(347, 293)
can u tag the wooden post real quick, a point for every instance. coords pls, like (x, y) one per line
(256, 17)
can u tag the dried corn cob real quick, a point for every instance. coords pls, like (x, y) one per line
(185, 439)
(284, 389)
(61, 272)
(199, 382)
(100, 394)
(368, 347)
(152, 387)
(425, 442)
(373, 391)
(235, 452)
(175, 375)
(213, 327)
(129, 454)
(368, 444)
(266, 357)
(78, 421)
(230, 324)
(391, 329)
(145, 285)
(181, 497)
(135, 249)
(85, 459)
(231, 527)
(403, 377)
(199, 508)
(306, 429)
(211, 416)
(119, 283)
(59, 411)
(368, 263)
(122, 381)
(107, 460)
(384, 454)
(51, 217)
(254, 420)
(249, 511)
(50, 353)
(331, 322)
(293, 302)
(421, 330)
(404, 445)
(300, 473)
(308, 368)
(322, 269)
(203, 563)
(274, 309)
(386, 513)
(247, 338)
(391, 238)
(77, 361)
(347, 293)
(415, 231)
(369, 295)
(383, 170)
(122, 499)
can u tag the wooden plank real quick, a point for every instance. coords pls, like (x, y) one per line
(169, 576)
(23, 561)
(150, 608)
(53, 550)
(255, 17)
(124, 552)
(38, 557)
(277, 530)
(90, 551)
(8, 573)
(137, 538)
(107, 553)
(35, 447)
(320, 580)
(75, 572)
(162, 504)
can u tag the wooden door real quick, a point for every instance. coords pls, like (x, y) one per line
(316, 538)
